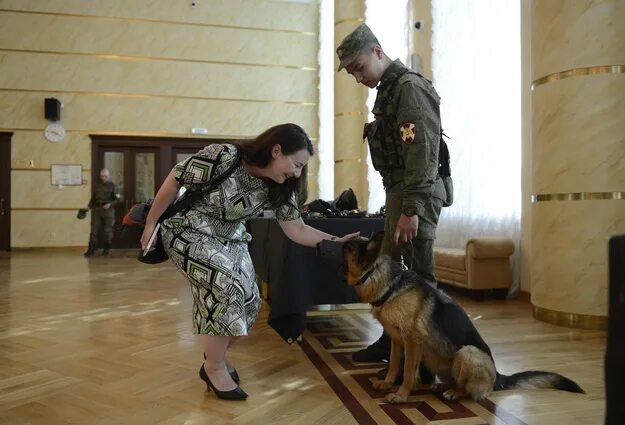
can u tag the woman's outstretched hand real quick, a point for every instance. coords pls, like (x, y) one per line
(348, 237)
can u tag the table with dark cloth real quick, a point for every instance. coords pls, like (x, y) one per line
(296, 276)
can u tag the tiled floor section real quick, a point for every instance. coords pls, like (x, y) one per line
(329, 343)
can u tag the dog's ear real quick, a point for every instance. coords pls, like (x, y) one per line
(375, 243)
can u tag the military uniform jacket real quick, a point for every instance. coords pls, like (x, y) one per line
(404, 138)
(105, 193)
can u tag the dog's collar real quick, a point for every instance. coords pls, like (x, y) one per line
(393, 287)
(365, 276)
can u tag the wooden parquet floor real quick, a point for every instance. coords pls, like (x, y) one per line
(108, 341)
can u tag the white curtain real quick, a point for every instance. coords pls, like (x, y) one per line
(389, 22)
(476, 63)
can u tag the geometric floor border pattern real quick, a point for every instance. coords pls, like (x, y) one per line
(329, 342)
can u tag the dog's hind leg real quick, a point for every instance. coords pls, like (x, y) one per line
(474, 374)
(393, 367)
(413, 354)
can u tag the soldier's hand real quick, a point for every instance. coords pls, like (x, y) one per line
(406, 228)
(106, 206)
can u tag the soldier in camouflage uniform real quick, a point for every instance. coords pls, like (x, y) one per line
(101, 204)
(404, 145)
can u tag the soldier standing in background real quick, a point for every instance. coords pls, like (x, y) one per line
(101, 204)
(404, 143)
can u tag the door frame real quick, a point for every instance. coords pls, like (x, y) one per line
(164, 147)
(128, 153)
(5, 180)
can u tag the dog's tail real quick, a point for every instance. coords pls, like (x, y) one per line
(534, 379)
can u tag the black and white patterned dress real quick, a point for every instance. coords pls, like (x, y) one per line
(209, 244)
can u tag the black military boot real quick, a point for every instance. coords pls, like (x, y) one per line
(90, 249)
(379, 351)
(105, 250)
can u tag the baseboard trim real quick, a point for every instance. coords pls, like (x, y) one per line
(570, 320)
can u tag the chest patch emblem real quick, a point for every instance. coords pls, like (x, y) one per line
(407, 132)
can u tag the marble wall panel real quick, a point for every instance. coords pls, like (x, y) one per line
(350, 155)
(70, 34)
(48, 229)
(348, 9)
(577, 145)
(30, 149)
(578, 140)
(569, 254)
(570, 34)
(348, 136)
(94, 113)
(62, 73)
(267, 14)
(349, 96)
(422, 39)
(350, 110)
(33, 189)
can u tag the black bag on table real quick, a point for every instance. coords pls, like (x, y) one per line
(346, 201)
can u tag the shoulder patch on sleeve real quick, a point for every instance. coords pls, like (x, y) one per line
(407, 132)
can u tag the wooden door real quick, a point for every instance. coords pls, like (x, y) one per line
(5, 191)
(136, 173)
(138, 166)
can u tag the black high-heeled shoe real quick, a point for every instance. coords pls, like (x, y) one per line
(236, 394)
(233, 374)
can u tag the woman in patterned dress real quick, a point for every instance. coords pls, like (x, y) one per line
(208, 243)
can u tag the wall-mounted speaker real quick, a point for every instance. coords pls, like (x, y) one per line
(52, 108)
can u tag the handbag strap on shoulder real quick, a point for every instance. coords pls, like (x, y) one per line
(189, 198)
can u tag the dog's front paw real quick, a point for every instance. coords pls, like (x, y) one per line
(453, 394)
(395, 398)
(382, 385)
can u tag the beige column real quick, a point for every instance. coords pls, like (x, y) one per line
(525, 246)
(577, 155)
(421, 49)
(350, 111)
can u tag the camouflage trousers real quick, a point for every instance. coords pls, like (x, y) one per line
(418, 254)
(102, 220)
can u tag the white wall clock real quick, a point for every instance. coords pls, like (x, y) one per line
(54, 132)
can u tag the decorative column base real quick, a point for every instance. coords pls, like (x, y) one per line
(570, 320)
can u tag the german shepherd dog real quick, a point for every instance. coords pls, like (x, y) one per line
(426, 325)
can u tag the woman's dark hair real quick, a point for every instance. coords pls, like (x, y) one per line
(291, 138)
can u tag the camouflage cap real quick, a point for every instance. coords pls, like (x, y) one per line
(354, 44)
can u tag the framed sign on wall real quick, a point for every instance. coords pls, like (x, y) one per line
(66, 174)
